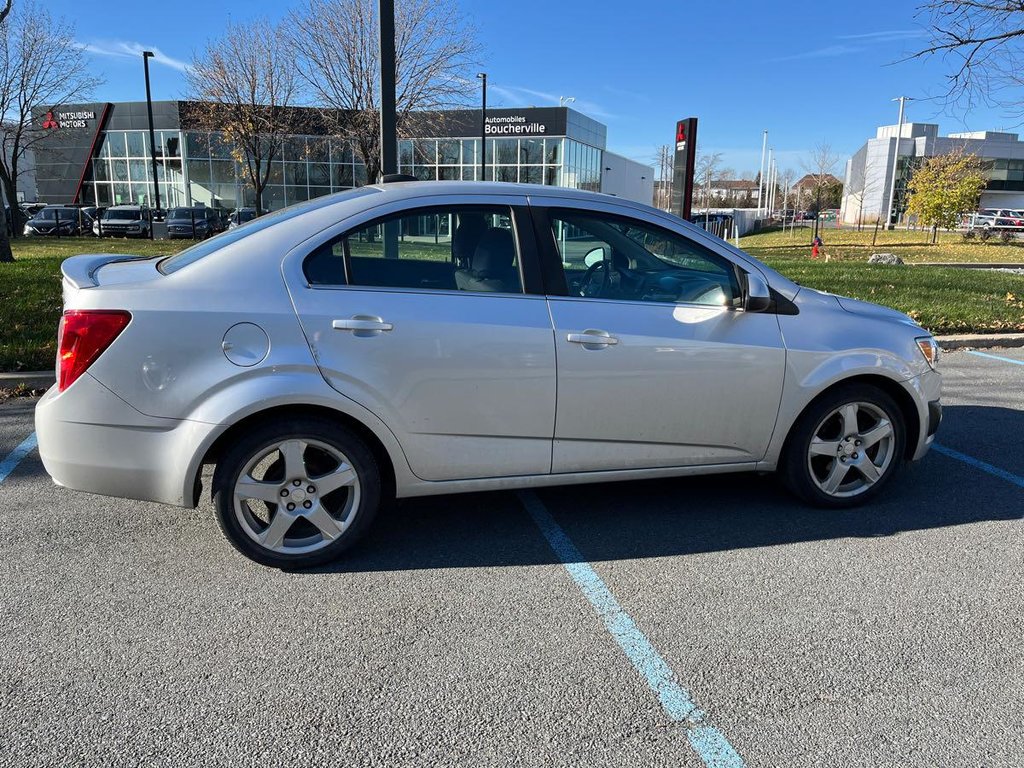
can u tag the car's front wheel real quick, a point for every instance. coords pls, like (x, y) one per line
(845, 447)
(296, 493)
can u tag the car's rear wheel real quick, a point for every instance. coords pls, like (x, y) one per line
(845, 447)
(296, 493)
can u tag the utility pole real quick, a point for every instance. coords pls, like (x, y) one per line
(891, 219)
(760, 176)
(388, 127)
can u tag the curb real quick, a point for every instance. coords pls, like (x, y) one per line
(980, 340)
(969, 265)
(30, 379)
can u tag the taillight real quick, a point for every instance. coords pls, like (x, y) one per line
(83, 336)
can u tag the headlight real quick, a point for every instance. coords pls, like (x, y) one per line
(930, 349)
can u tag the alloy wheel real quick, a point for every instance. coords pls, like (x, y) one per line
(296, 496)
(851, 449)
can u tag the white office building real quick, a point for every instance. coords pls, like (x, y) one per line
(869, 171)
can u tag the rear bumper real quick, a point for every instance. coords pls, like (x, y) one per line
(91, 440)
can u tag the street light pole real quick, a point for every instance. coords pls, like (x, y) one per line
(760, 177)
(482, 76)
(146, 55)
(891, 213)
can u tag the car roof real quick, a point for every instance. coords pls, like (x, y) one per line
(400, 190)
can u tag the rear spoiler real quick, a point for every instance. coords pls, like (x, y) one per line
(80, 271)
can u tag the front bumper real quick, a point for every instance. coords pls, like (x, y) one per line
(927, 391)
(91, 440)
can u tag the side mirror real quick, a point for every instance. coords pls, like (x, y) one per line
(594, 256)
(759, 295)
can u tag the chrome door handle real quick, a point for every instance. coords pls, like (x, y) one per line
(592, 338)
(362, 323)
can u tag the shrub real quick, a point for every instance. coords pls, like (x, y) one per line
(985, 235)
(970, 234)
(1006, 236)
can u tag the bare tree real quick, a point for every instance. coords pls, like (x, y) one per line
(821, 166)
(245, 83)
(335, 43)
(704, 171)
(41, 65)
(664, 161)
(984, 42)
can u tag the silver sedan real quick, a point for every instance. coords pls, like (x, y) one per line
(438, 337)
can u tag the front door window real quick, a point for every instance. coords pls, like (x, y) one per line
(613, 257)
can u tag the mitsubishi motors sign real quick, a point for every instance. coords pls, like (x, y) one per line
(56, 120)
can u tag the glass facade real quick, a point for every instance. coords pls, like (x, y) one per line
(553, 161)
(122, 171)
(1004, 173)
(197, 168)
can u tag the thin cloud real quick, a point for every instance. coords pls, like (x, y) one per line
(518, 95)
(821, 53)
(127, 50)
(885, 36)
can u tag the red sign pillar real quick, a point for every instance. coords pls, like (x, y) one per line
(683, 167)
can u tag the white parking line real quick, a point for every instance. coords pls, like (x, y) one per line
(706, 740)
(14, 457)
(984, 466)
(995, 357)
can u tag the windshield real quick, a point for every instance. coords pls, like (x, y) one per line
(123, 213)
(52, 214)
(205, 248)
(185, 213)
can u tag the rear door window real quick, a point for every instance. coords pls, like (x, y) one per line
(456, 248)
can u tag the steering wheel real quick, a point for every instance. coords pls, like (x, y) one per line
(589, 290)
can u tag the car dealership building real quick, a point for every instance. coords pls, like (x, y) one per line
(99, 154)
(869, 173)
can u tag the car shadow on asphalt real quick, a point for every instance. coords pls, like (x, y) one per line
(675, 517)
(683, 516)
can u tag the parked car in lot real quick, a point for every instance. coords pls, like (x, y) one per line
(58, 221)
(241, 216)
(123, 221)
(196, 223)
(420, 338)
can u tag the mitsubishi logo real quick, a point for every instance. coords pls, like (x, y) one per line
(49, 123)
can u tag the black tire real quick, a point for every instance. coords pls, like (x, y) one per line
(258, 441)
(795, 469)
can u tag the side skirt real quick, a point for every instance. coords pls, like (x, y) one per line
(576, 478)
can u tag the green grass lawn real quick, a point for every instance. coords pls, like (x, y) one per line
(848, 244)
(30, 293)
(943, 300)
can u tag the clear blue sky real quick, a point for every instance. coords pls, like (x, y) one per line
(806, 71)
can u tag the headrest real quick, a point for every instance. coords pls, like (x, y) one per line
(467, 236)
(495, 253)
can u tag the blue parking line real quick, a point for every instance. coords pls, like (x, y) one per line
(995, 357)
(984, 466)
(707, 741)
(14, 457)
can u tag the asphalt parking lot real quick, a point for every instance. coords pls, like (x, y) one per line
(772, 634)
